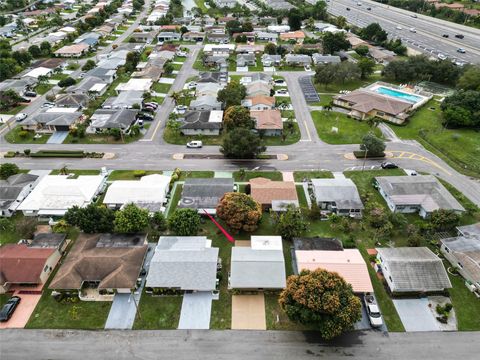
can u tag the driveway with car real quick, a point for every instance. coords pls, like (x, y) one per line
(416, 315)
(23, 311)
(196, 310)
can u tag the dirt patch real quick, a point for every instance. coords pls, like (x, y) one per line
(248, 312)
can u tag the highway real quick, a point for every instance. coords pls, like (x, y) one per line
(428, 36)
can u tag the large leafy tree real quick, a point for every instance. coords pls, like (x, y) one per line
(237, 117)
(372, 144)
(462, 109)
(7, 170)
(91, 219)
(374, 32)
(323, 300)
(443, 220)
(294, 19)
(333, 42)
(184, 222)
(232, 94)
(289, 223)
(242, 144)
(325, 74)
(131, 219)
(470, 79)
(239, 211)
(366, 66)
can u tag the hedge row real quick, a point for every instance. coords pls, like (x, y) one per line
(360, 154)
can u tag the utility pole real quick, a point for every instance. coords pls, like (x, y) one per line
(364, 157)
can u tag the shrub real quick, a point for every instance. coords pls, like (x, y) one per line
(23, 134)
(139, 173)
(27, 151)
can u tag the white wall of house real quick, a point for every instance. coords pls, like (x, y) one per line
(208, 132)
(454, 261)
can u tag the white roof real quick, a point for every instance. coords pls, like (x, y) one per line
(135, 84)
(56, 110)
(68, 29)
(216, 116)
(37, 72)
(266, 243)
(150, 188)
(210, 47)
(55, 194)
(98, 87)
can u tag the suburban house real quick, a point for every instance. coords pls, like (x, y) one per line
(261, 266)
(463, 252)
(298, 59)
(216, 61)
(106, 74)
(201, 122)
(168, 36)
(125, 100)
(194, 36)
(339, 196)
(278, 28)
(275, 195)
(52, 120)
(259, 102)
(204, 195)
(205, 103)
(75, 50)
(298, 36)
(469, 230)
(145, 37)
(250, 49)
(420, 194)
(18, 85)
(246, 60)
(348, 263)
(30, 263)
(150, 192)
(218, 38)
(271, 60)
(100, 265)
(225, 3)
(208, 88)
(268, 121)
(258, 88)
(90, 85)
(55, 194)
(219, 49)
(216, 77)
(14, 190)
(183, 263)
(267, 36)
(135, 85)
(412, 269)
(325, 59)
(106, 119)
(249, 36)
(75, 101)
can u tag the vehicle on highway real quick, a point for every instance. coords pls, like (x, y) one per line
(459, 36)
(442, 57)
(445, 35)
(82, 75)
(413, 30)
(9, 308)
(30, 93)
(373, 312)
(388, 165)
(20, 116)
(369, 8)
(398, 28)
(196, 144)
(414, 16)
(348, 9)
(461, 50)
(48, 105)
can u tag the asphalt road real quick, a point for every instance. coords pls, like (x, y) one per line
(428, 36)
(233, 345)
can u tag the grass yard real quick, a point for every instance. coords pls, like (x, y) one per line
(161, 88)
(11, 237)
(174, 137)
(459, 147)
(161, 312)
(128, 174)
(16, 136)
(350, 131)
(324, 100)
(174, 199)
(276, 317)
(291, 138)
(314, 174)
(14, 110)
(43, 88)
(272, 175)
(77, 173)
(258, 66)
(466, 305)
(196, 174)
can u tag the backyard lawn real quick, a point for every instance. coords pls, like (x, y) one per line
(466, 305)
(162, 312)
(128, 174)
(350, 131)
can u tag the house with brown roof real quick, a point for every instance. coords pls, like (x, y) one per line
(259, 102)
(258, 88)
(75, 50)
(268, 121)
(298, 36)
(276, 195)
(100, 265)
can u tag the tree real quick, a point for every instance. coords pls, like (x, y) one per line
(444, 220)
(366, 66)
(232, 94)
(184, 222)
(158, 221)
(347, 71)
(91, 219)
(45, 48)
(270, 49)
(8, 99)
(233, 26)
(239, 211)
(66, 82)
(462, 109)
(131, 219)
(168, 68)
(294, 19)
(362, 50)
(35, 51)
(373, 32)
(325, 74)
(242, 144)
(334, 42)
(237, 117)
(133, 57)
(470, 79)
(372, 145)
(7, 170)
(89, 65)
(6, 225)
(289, 223)
(321, 299)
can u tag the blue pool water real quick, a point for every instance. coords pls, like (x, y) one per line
(398, 94)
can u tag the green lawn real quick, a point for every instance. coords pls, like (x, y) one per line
(466, 305)
(161, 312)
(13, 137)
(77, 172)
(14, 111)
(276, 317)
(258, 66)
(43, 88)
(314, 174)
(177, 66)
(103, 138)
(291, 138)
(161, 88)
(272, 175)
(196, 174)
(128, 174)
(324, 100)
(350, 131)
(11, 237)
(459, 147)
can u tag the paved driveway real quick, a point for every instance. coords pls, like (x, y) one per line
(415, 315)
(57, 137)
(248, 312)
(23, 311)
(196, 310)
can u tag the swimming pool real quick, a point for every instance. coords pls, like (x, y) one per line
(399, 94)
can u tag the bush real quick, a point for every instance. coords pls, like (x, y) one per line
(66, 82)
(360, 154)
(27, 151)
(139, 173)
(23, 134)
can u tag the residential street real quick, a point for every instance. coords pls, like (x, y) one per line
(233, 345)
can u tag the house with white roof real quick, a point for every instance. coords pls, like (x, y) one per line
(55, 194)
(135, 85)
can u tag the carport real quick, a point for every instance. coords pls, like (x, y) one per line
(196, 310)
(248, 312)
(415, 315)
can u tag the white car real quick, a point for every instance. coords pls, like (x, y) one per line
(442, 57)
(373, 312)
(399, 28)
(180, 109)
(192, 86)
(20, 117)
(413, 30)
(48, 105)
(308, 68)
(181, 54)
(196, 144)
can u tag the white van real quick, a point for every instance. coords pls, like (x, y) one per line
(194, 144)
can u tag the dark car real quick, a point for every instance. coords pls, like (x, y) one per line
(445, 35)
(146, 117)
(348, 9)
(148, 109)
(459, 36)
(389, 165)
(8, 309)
(30, 93)
(369, 8)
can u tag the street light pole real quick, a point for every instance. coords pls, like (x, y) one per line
(365, 156)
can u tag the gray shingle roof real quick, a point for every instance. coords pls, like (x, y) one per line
(341, 191)
(204, 193)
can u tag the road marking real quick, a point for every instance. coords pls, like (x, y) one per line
(413, 156)
(308, 131)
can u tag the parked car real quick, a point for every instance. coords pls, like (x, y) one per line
(192, 86)
(180, 109)
(389, 165)
(398, 28)
(148, 109)
(140, 123)
(308, 68)
(279, 82)
(20, 117)
(25, 100)
(48, 105)
(369, 8)
(144, 116)
(30, 93)
(196, 144)
(442, 57)
(414, 16)
(373, 312)
(445, 35)
(348, 9)
(282, 91)
(82, 75)
(461, 50)
(151, 104)
(459, 36)
(9, 308)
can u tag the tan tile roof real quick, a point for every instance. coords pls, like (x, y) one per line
(72, 49)
(267, 119)
(265, 190)
(292, 35)
(260, 99)
(366, 101)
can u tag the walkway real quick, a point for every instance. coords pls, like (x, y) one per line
(196, 310)
(57, 137)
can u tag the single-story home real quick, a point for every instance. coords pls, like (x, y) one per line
(208, 88)
(146, 37)
(412, 269)
(53, 119)
(13, 190)
(259, 102)
(298, 36)
(246, 60)
(298, 59)
(194, 36)
(420, 194)
(249, 36)
(135, 85)
(250, 49)
(90, 85)
(106, 119)
(204, 194)
(275, 195)
(75, 50)
(267, 36)
(268, 121)
(106, 74)
(38, 72)
(325, 59)
(55, 194)
(75, 101)
(201, 122)
(150, 192)
(271, 60)
(219, 49)
(168, 36)
(258, 267)
(258, 88)
(125, 100)
(185, 263)
(218, 38)
(339, 196)
(100, 265)
(205, 103)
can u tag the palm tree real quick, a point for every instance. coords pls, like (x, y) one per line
(373, 121)
(176, 96)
